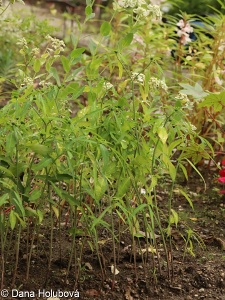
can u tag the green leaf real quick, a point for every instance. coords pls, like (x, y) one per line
(77, 52)
(4, 199)
(5, 171)
(174, 218)
(195, 91)
(39, 149)
(72, 76)
(100, 187)
(10, 143)
(66, 63)
(187, 198)
(45, 162)
(163, 135)
(37, 65)
(35, 195)
(88, 10)
(125, 41)
(217, 101)
(105, 28)
(172, 171)
(40, 215)
(30, 211)
(105, 156)
(88, 13)
(123, 187)
(184, 171)
(17, 201)
(12, 219)
(55, 75)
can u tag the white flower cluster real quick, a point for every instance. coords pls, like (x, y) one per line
(140, 7)
(107, 86)
(22, 42)
(182, 96)
(56, 44)
(138, 77)
(156, 83)
(184, 31)
(35, 51)
(189, 126)
(186, 103)
(44, 83)
(27, 81)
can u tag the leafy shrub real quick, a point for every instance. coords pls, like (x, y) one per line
(109, 162)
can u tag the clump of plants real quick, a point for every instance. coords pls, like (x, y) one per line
(105, 164)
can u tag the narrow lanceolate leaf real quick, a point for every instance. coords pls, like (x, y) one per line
(45, 162)
(12, 219)
(174, 218)
(10, 142)
(4, 199)
(123, 187)
(37, 65)
(66, 63)
(39, 149)
(56, 211)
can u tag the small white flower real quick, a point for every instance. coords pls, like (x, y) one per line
(35, 51)
(182, 96)
(27, 81)
(45, 83)
(193, 127)
(138, 77)
(107, 85)
(22, 42)
(156, 12)
(156, 83)
(141, 12)
(143, 191)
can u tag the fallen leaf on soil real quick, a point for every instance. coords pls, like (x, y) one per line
(113, 270)
(92, 292)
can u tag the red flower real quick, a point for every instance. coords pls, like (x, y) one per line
(223, 162)
(221, 179)
(222, 172)
(222, 191)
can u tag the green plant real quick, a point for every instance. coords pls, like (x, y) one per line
(111, 157)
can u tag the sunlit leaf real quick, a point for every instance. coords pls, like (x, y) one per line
(163, 135)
